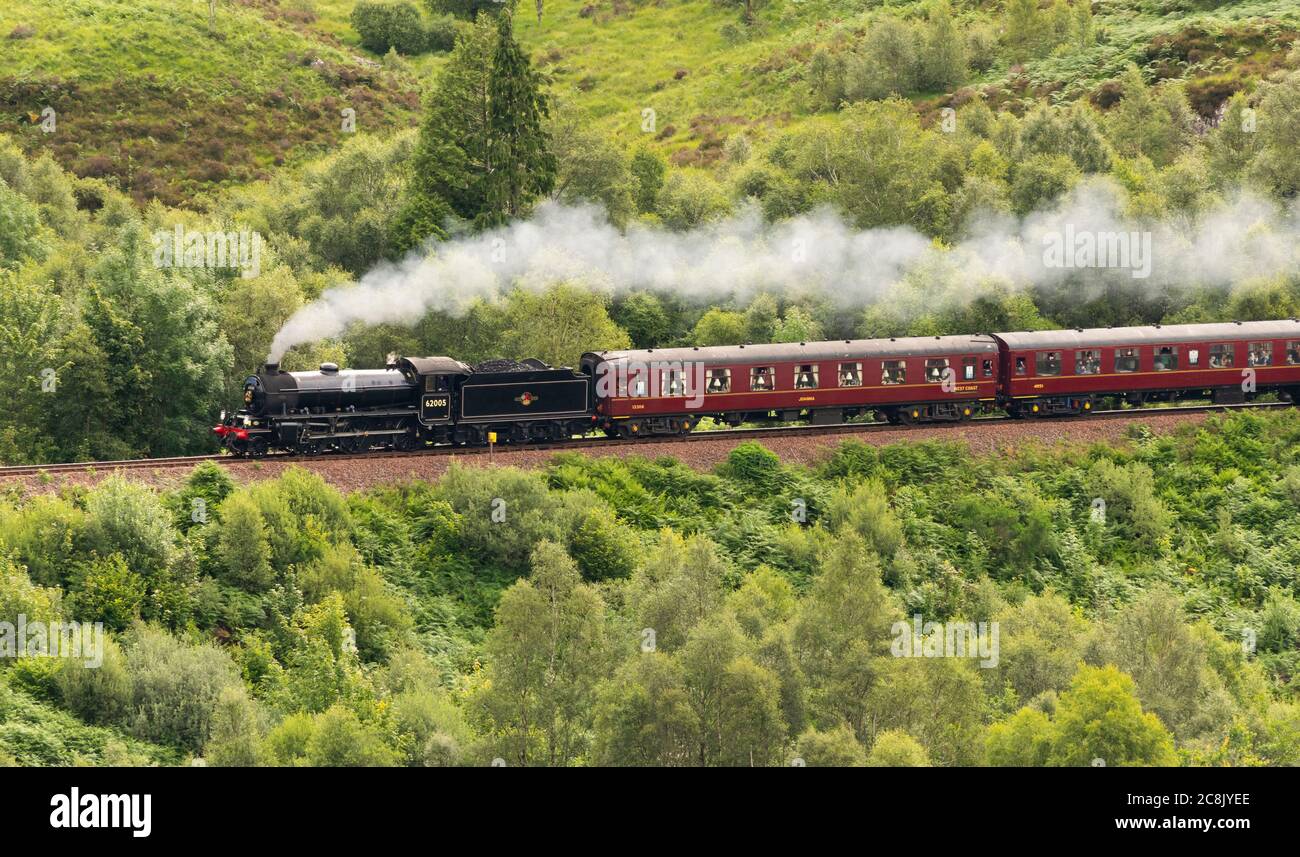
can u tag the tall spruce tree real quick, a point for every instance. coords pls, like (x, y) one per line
(521, 166)
(450, 158)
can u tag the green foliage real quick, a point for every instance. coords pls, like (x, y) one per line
(545, 655)
(834, 748)
(100, 694)
(107, 590)
(559, 325)
(340, 740)
(20, 597)
(1099, 717)
(175, 687)
(521, 164)
(389, 25)
(894, 748)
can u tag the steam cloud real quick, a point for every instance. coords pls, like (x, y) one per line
(817, 254)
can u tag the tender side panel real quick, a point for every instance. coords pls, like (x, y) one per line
(523, 400)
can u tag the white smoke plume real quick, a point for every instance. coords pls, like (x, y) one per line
(816, 254)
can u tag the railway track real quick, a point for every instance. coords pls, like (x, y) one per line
(592, 442)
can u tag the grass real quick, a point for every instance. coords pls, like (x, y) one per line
(148, 95)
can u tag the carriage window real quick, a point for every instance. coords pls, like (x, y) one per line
(1020, 365)
(988, 368)
(893, 372)
(1087, 362)
(671, 383)
(1126, 359)
(850, 374)
(1048, 363)
(805, 377)
(968, 368)
(1193, 357)
(1220, 356)
(1261, 354)
(1166, 358)
(717, 380)
(762, 378)
(934, 370)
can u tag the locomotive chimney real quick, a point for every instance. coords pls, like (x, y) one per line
(271, 368)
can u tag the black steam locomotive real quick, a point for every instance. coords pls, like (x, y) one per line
(409, 403)
(419, 400)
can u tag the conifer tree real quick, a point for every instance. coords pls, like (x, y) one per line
(521, 166)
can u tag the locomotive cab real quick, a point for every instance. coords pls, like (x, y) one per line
(438, 379)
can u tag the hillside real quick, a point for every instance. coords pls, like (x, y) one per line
(147, 93)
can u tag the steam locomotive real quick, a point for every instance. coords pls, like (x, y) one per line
(417, 401)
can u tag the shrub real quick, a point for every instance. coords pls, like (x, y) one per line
(441, 33)
(340, 740)
(109, 592)
(99, 695)
(390, 25)
(175, 687)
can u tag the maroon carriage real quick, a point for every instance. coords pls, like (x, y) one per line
(1066, 371)
(913, 379)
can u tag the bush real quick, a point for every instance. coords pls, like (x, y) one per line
(894, 748)
(109, 592)
(756, 468)
(19, 596)
(340, 740)
(99, 695)
(390, 25)
(440, 34)
(175, 687)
